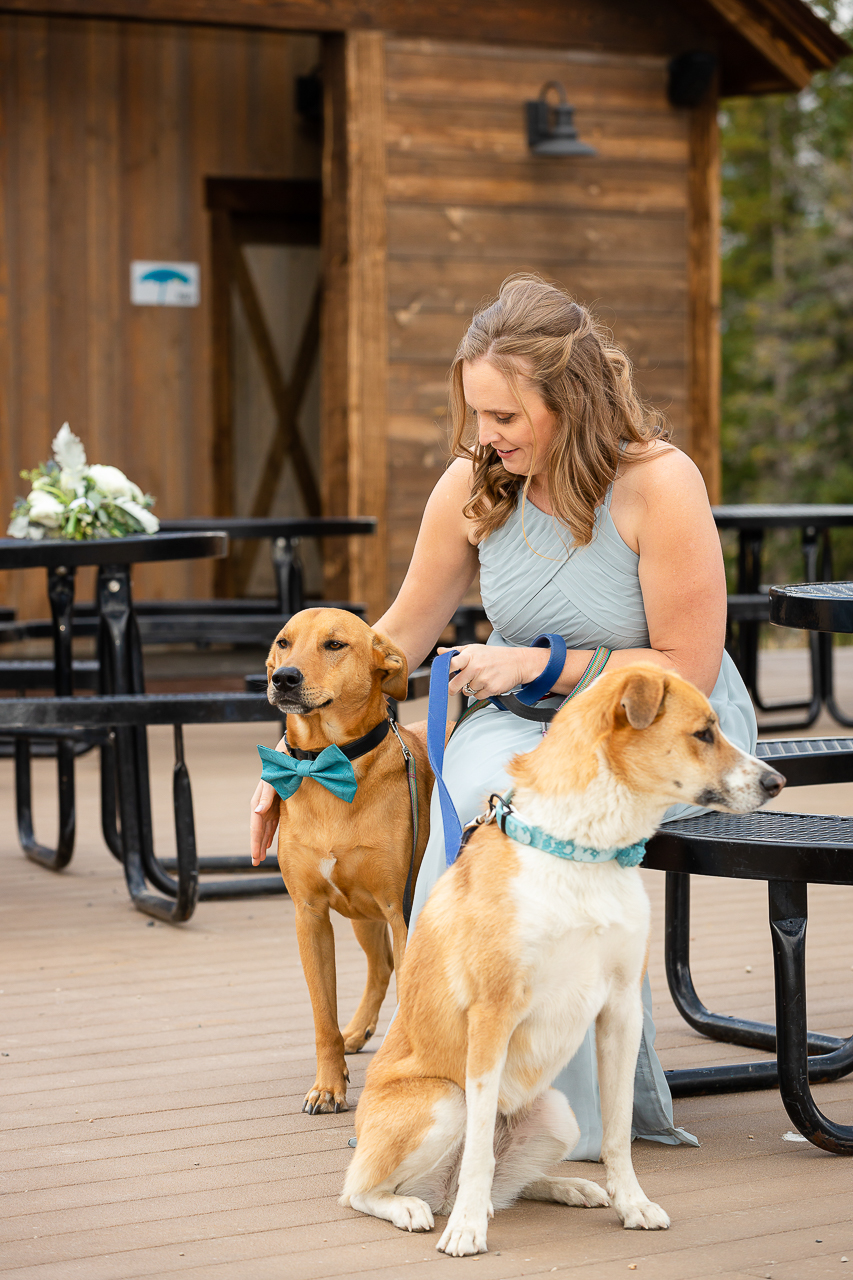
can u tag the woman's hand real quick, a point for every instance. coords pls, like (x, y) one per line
(490, 669)
(263, 822)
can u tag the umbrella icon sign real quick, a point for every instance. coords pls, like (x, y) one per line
(163, 276)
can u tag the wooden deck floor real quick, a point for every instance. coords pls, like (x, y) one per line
(152, 1080)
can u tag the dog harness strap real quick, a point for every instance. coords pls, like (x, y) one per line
(412, 780)
(352, 750)
(596, 665)
(408, 892)
(436, 727)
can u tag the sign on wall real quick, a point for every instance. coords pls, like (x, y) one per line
(164, 284)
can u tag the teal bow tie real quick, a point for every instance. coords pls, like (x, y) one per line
(331, 769)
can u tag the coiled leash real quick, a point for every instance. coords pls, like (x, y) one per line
(519, 704)
(332, 768)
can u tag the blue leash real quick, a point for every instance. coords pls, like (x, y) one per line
(439, 679)
(437, 722)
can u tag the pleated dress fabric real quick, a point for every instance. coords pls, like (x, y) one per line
(533, 579)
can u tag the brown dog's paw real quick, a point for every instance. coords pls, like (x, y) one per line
(356, 1038)
(319, 1101)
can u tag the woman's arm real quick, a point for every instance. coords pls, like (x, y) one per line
(661, 510)
(442, 569)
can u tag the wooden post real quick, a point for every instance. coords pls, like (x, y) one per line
(704, 292)
(354, 309)
(223, 385)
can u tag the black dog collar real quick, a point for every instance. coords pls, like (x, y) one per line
(352, 750)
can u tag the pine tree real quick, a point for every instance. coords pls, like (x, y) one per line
(787, 419)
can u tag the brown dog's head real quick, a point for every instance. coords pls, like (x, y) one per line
(329, 656)
(656, 734)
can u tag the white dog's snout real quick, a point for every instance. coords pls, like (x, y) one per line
(746, 786)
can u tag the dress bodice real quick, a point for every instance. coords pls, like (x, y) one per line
(534, 578)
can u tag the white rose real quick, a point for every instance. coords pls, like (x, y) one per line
(19, 526)
(45, 509)
(149, 522)
(113, 483)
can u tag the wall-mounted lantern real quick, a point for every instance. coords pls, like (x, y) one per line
(550, 125)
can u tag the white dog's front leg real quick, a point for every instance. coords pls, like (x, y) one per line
(468, 1223)
(617, 1036)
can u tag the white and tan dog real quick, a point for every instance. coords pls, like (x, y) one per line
(517, 952)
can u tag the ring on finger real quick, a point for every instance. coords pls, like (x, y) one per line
(472, 693)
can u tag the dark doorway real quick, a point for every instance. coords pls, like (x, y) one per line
(265, 245)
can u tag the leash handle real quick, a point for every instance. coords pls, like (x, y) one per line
(439, 679)
(544, 683)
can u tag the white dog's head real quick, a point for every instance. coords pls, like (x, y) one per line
(658, 736)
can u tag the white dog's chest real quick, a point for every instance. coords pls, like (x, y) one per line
(578, 929)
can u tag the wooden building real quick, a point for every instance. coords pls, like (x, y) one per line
(352, 179)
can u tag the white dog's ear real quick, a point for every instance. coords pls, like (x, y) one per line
(392, 661)
(642, 696)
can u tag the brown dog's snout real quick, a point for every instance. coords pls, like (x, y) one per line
(771, 782)
(286, 679)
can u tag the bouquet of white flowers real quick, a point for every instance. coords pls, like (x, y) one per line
(70, 499)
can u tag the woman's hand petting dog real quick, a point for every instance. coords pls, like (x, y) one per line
(490, 669)
(263, 820)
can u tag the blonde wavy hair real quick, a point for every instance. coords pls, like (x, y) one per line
(535, 332)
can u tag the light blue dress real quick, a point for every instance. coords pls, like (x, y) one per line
(534, 580)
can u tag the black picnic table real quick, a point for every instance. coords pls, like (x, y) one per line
(788, 851)
(116, 719)
(748, 607)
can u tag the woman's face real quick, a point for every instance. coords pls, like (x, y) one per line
(501, 422)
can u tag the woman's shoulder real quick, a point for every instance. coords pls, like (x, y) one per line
(655, 478)
(656, 468)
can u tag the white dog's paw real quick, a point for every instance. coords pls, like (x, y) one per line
(642, 1215)
(411, 1214)
(576, 1192)
(465, 1233)
(581, 1193)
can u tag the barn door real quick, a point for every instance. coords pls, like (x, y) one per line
(266, 293)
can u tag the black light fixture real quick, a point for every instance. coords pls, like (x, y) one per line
(550, 125)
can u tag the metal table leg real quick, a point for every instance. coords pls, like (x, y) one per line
(832, 1057)
(750, 545)
(123, 673)
(788, 919)
(60, 589)
(287, 567)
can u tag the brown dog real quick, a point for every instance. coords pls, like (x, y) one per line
(330, 673)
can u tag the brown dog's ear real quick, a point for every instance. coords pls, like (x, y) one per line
(392, 661)
(642, 696)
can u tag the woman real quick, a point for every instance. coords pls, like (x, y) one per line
(583, 521)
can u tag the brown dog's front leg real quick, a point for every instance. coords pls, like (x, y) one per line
(372, 936)
(317, 953)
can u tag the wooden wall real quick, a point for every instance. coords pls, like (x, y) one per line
(107, 131)
(467, 204)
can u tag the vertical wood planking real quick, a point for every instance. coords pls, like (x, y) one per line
(468, 204)
(704, 293)
(8, 403)
(29, 259)
(334, 319)
(354, 326)
(109, 129)
(368, 343)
